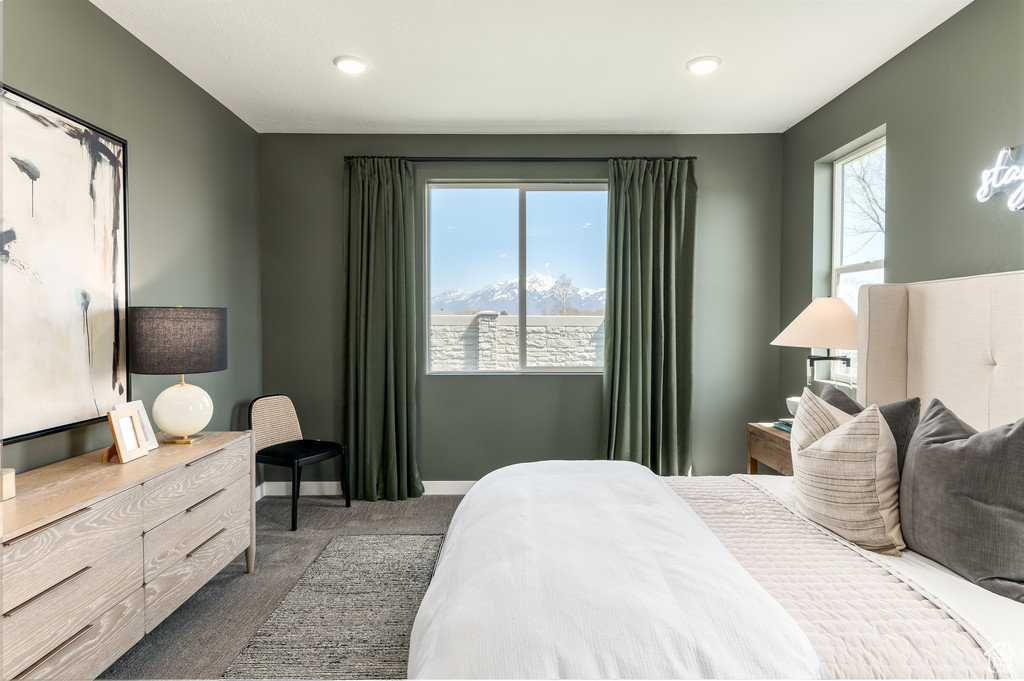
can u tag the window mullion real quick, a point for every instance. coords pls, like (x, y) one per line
(522, 278)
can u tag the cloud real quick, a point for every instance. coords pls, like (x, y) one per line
(547, 264)
(451, 226)
(504, 255)
(586, 224)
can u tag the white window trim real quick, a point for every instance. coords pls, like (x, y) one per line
(523, 187)
(838, 371)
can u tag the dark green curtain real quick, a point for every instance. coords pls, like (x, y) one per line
(649, 313)
(380, 322)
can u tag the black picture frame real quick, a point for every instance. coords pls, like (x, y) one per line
(71, 383)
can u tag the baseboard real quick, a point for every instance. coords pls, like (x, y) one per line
(447, 486)
(332, 488)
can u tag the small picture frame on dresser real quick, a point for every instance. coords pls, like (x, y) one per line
(129, 436)
(147, 427)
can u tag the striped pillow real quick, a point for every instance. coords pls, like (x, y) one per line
(845, 474)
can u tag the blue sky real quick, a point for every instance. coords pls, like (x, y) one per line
(474, 236)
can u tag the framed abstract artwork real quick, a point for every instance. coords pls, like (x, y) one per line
(65, 269)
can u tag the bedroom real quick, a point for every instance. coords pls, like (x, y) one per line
(221, 215)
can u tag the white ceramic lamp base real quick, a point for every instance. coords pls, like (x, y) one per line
(181, 411)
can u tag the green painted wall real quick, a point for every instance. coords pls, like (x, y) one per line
(193, 220)
(948, 102)
(471, 425)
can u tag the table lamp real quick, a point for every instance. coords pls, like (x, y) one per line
(179, 340)
(825, 323)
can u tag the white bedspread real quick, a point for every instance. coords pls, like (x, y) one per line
(645, 589)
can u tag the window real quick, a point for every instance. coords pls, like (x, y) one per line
(516, 276)
(858, 236)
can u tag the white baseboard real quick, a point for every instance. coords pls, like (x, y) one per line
(447, 486)
(332, 488)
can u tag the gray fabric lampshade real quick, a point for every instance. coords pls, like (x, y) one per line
(177, 340)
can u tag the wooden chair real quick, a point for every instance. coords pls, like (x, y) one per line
(279, 442)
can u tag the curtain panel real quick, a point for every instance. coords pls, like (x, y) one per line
(649, 313)
(380, 321)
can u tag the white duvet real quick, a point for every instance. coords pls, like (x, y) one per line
(595, 570)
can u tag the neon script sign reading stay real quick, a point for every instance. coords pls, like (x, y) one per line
(1000, 176)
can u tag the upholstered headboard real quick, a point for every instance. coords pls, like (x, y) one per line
(960, 340)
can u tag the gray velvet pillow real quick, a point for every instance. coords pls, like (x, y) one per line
(962, 499)
(901, 417)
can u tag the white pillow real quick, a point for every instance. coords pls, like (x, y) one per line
(845, 473)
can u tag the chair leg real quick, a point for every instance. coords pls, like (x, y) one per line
(296, 478)
(344, 475)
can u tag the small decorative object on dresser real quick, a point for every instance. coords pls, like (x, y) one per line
(147, 427)
(129, 437)
(7, 484)
(770, 446)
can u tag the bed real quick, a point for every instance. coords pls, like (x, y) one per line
(600, 569)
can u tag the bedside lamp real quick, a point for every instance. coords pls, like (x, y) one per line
(179, 340)
(825, 323)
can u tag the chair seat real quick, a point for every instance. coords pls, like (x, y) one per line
(298, 452)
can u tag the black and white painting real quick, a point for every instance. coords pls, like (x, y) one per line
(62, 248)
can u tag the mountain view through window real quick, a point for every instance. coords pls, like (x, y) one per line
(517, 276)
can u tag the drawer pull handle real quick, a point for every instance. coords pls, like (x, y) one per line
(197, 505)
(54, 652)
(200, 547)
(47, 526)
(48, 590)
(202, 458)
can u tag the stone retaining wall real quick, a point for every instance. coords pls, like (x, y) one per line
(488, 341)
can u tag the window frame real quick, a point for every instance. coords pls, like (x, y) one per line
(523, 187)
(838, 371)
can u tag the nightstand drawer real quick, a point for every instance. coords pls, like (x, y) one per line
(168, 495)
(170, 541)
(36, 560)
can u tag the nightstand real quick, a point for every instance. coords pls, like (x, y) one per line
(770, 446)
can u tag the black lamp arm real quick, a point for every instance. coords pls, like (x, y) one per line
(811, 359)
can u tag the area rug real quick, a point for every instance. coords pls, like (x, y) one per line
(349, 616)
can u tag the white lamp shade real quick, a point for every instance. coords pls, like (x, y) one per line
(825, 323)
(182, 410)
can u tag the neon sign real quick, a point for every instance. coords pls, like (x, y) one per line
(1002, 175)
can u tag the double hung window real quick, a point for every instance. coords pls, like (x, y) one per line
(858, 235)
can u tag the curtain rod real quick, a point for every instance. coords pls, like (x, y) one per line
(528, 159)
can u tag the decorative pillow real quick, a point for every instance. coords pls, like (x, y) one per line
(901, 417)
(962, 498)
(845, 476)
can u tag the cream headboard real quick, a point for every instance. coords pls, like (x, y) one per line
(960, 340)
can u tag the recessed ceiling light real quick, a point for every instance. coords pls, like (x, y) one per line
(350, 64)
(703, 65)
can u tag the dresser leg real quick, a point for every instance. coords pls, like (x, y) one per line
(751, 466)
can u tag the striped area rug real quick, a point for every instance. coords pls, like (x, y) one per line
(349, 616)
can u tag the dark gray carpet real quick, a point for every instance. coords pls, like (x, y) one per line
(204, 635)
(349, 616)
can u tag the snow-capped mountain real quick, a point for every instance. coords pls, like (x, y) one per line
(503, 296)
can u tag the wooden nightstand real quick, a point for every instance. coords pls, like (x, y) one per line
(770, 446)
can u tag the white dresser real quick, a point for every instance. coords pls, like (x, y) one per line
(95, 555)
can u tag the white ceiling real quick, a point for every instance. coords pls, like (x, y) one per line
(526, 66)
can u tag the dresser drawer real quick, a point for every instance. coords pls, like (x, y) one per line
(37, 560)
(42, 623)
(168, 542)
(174, 585)
(171, 493)
(91, 649)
